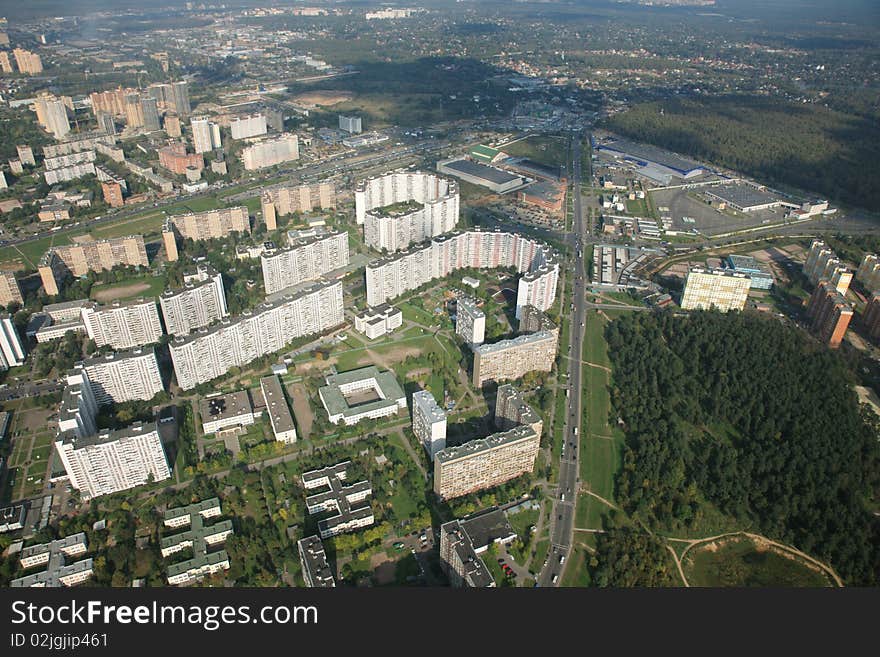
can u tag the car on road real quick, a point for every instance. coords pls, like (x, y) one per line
(555, 579)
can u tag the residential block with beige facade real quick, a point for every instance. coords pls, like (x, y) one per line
(721, 289)
(10, 292)
(212, 224)
(79, 259)
(301, 198)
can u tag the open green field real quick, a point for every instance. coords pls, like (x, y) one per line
(739, 562)
(576, 571)
(550, 151)
(589, 512)
(130, 287)
(413, 314)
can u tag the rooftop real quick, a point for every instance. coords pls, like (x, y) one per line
(648, 153)
(314, 560)
(276, 404)
(487, 526)
(492, 174)
(385, 386)
(742, 195)
(522, 432)
(518, 341)
(225, 406)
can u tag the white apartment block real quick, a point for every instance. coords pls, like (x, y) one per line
(428, 422)
(201, 302)
(112, 461)
(57, 557)
(267, 153)
(52, 115)
(514, 358)
(123, 325)
(124, 376)
(350, 503)
(350, 124)
(391, 276)
(69, 159)
(72, 172)
(470, 321)
(436, 212)
(206, 134)
(243, 127)
(199, 537)
(12, 353)
(10, 291)
(378, 321)
(537, 288)
(211, 352)
(722, 289)
(305, 259)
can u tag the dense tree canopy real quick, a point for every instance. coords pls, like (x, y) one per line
(745, 413)
(626, 557)
(806, 146)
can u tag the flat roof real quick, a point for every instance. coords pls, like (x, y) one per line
(648, 153)
(487, 526)
(426, 402)
(521, 432)
(742, 195)
(276, 404)
(314, 560)
(492, 174)
(469, 305)
(335, 402)
(225, 406)
(117, 356)
(105, 436)
(528, 338)
(474, 568)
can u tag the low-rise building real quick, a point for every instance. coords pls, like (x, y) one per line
(200, 537)
(721, 289)
(315, 567)
(223, 411)
(13, 517)
(57, 557)
(279, 412)
(361, 394)
(350, 503)
(374, 322)
(462, 541)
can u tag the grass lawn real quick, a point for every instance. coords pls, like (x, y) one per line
(413, 314)
(143, 225)
(41, 453)
(738, 563)
(156, 287)
(550, 151)
(521, 521)
(542, 547)
(589, 512)
(576, 571)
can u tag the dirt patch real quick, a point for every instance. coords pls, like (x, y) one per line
(383, 569)
(322, 98)
(82, 239)
(112, 293)
(301, 409)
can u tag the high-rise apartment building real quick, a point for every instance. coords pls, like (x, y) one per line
(28, 62)
(301, 198)
(868, 273)
(100, 463)
(511, 410)
(106, 124)
(26, 155)
(206, 134)
(201, 302)
(171, 124)
(123, 325)
(269, 152)
(112, 102)
(134, 110)
(485, 462)
(428, 422)
(404, 208)
(52, 115)
(721, 289)
(391, 276)
(305, 259)
(211, 352)
(350, 124)
(830, 314)
(124, 376)
(871, 316)
(212, 224)
(10, 291)
(470, 321)
(150, 112)
(79, 259)
(244, 127)
(12, 353)
(5, 62)
(180, 96)
(512, 359)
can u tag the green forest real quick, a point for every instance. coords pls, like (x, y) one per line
(816, 149)
(744, 414)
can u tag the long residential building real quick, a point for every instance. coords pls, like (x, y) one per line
(391, 276)
(79, 259)
(513, 358)
(72, 172)
(267, 153)
(305, 259)
(350, 504)
(201, 302)
(721, 289)
(403, 208)
(280, 416)
(282, 201)
(212, 224)
(868, 273)
(100, 463)
(123, 325)
(12, 353)
(485, 462)
(124, 376)
(830, 313)
(315, 567)
(244, 127)
(10, 291)
(28, 62)
(200, 536)
(211, 352)
(52, 115)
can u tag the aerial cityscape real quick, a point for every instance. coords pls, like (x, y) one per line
(439, 294)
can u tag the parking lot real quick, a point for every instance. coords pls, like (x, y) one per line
(689, 213)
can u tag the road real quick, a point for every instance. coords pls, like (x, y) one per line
(562, 517)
